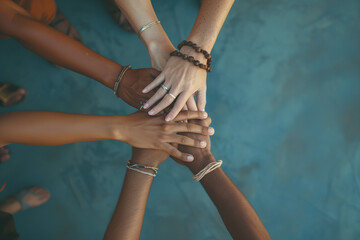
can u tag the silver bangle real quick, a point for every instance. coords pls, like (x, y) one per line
(120, 77)
(143, 28)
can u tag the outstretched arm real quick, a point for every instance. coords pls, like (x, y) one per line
(64, 51)
(127, 219)
(236, 212)
(138, 129)
(183, 78)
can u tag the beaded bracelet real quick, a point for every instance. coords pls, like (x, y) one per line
(191, 59)
(197, 49)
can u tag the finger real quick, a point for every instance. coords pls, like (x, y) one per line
(157, 81)
(176, 153)
(184, 140)
(179, 104)
(187, 115)
(160, 93)
(193, 128)
(191, 104)
(201, 99)
(166, 101)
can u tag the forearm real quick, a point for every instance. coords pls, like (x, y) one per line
(139, 13)
(209, 22)
(238, 215)
(53, 128)
(126, 222)
(55, 46)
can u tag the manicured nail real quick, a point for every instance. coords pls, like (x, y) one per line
(203, 144)
(146, 105)
(190, 158)
(152, 112)
(211, 131)
(168, 117)
(205, 115)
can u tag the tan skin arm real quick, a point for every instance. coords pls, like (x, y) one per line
(127, 219)
(236, 212)
(64, 51)
(138, 129)
(181, 77)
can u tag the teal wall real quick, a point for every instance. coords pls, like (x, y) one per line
(284, 96)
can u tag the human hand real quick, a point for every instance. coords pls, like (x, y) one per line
(148, 157)
(183, 79)
(199, 154)
(142, 131)
(130, 87)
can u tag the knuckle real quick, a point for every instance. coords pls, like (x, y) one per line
(173, 152)
(166, 127)
(183, 140)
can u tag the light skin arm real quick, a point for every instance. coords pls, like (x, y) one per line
(183, 78)
(64, 51)
(138, 129)
(139, 13)
(236, 212)
(127, 219)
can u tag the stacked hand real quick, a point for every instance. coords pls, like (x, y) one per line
(131, 86)
(143, 131)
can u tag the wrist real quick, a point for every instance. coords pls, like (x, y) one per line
(117, 128)
(200, 162)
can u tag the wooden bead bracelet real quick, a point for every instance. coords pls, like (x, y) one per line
(197, 49)
(191, 59)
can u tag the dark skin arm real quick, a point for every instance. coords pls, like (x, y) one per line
(64, 51)
(126, 222)
(236, 212)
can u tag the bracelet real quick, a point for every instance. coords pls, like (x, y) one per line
(121, 75)
(191, 59)
(143, 172)
(143, 28)
(197, 49)
(135, 165)
(209, 168)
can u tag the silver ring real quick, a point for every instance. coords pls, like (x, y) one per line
(172, 95)
(164, 87)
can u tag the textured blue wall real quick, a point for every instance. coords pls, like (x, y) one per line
(285, 101)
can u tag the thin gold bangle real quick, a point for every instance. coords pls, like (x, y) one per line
(120, 77)
(143, 28)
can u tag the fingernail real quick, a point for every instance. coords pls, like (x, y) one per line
(144, 90)
(167, 118)
(202, 109)
(146, 106)
(190, 158)
(205, 115)
(211, 131)
(203, 144)
(152, 112)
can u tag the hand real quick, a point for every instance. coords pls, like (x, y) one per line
(199, 154)
(148, 157)
(183, 79)
(142, 131)
(130, 87)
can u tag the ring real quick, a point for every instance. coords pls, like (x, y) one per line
(142, 105)
(172, 95)
(164, 87)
